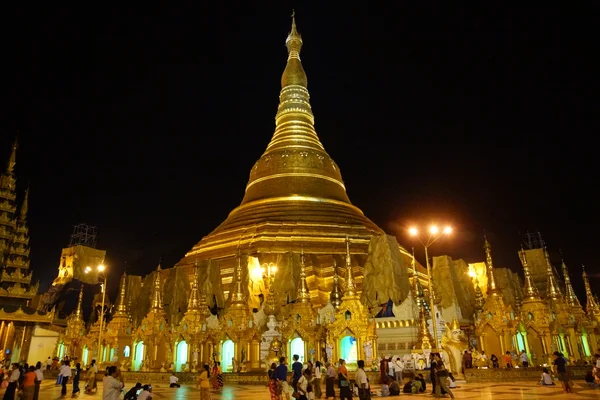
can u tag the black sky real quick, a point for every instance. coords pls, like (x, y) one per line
(147, 125)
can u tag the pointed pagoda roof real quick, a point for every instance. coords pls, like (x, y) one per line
(295, 182)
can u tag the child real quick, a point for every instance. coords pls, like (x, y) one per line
(546, 378)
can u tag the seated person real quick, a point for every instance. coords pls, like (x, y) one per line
(416, 387)
(173, 381)
(385, 387)
(546, 378)
(408, 387)
(146, 393)
(132, 394)
(394, 388)
(590, 379)
(421, 379)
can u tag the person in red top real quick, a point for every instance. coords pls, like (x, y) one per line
(508, 359)
(29, 384)
(344, 382)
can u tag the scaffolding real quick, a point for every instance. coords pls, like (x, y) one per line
(534, 240)
(84, 235)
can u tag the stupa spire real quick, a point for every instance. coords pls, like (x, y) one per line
(156, 296)
(24, 207)
(238, 296)
(350, 284)
(122, 300)
(79, 309)
(591, 306)
(194, 300)
(570, 295)
(552, 290)
(303, 295)
(529, 289)
(493, 289)
(335, 297)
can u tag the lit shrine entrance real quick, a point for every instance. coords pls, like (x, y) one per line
(138, 356)
(84, 356)
(182, 356)
(297, 347)
(61, 351)
(348, 349)
(228, 353)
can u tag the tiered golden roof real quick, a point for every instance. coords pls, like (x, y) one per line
(120, 324)
(295, 197)
(75, 324)
(571, 297)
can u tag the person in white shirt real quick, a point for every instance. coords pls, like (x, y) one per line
(364, 390)
(48, 364)
(13, 381)
(65, 372)
(112, 387)
(146, 393)
(546, 378)
(173, 381)
(391, 369)
(399, 368)
(38, 380)
(524, 359)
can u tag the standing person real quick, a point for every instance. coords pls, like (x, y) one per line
(281, 377)
(204, 383)
(219, 375)
(344, 382)
(111, 386)
(76, 379)
(399, 368)
(561, 370)
(29, 384)
(391, 369)
(383, 369)
(432, 375)
(317, 379)
(48, 363)
(214, 373)
(91, 385)
(39, 377)
(296, 370)
(273, 389)
(508, 360)
(65, 373)
(468, 359)
(329, 381)
(303, 386)
(524, 359)
(442, 378)
(494, 360)
(13, 381)
(364, 390)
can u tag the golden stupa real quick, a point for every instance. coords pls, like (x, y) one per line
(295, 199)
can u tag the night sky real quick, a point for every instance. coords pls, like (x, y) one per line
(147, 126)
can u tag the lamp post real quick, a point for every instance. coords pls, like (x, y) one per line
(434, 234)
(101, 269)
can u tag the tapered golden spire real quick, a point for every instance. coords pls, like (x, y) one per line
(238, 297)
(350, 284)
(12, 161)
(335, 297)
(79, 310)
(529, 289)
(592, 307)
(156, 296)
(493, 289)
(194, 300)
(419, 295)
(570, 295)
(303, 295)
(552, 291)
(122, 300)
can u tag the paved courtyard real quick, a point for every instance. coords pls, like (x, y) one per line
(475, 391)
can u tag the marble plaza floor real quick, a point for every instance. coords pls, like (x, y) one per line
(474, 391)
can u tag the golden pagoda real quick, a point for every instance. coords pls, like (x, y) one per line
(593, 312)
(493, 326)
(533, 330)
(295, 198)
(118, 331)
(74, 337)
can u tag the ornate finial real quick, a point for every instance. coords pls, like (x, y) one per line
(492, 287)
(271, 304)
(417, 288)
(122, 301)
(294, 72)
(455, 326)
(294, 40)
(303, 295)
(570, 295)
(12, 161)
(591, 306)
(530, 290)
(194, 299)
(156, 295)
(350, 285)
(25, 206)
(335, 297)
(553, 292)
(238, 297)
(159, 268)
(79, 310)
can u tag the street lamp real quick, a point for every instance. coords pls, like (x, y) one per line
(434, 234)
(101, 270)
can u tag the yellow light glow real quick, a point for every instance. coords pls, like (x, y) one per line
(472, 273)
(448, 230)
(87, 269)
(273, 269)
(413, 231)
(434, 229)
(101, 267)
